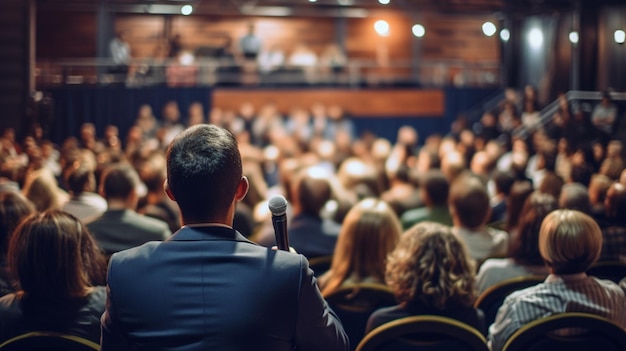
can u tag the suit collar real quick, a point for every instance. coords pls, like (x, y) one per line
(206, 233)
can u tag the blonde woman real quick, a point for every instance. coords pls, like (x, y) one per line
(569, 243)
(430, 272)
(42, 189)
(369, 233)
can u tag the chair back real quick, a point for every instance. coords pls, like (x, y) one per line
(353, 304)
(424, 333)
(491, 299)
(48, 341)
(583, 332)
(611, 270)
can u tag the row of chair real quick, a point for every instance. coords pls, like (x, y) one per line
(435, 333)
(423, 333)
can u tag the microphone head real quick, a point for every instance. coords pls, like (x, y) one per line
(277, 205)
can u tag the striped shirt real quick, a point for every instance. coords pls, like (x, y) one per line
(557, 294)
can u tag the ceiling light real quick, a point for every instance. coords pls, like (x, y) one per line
(382, 28)
(418, 30)
(384, 2)
(535, 38)
(573, 37)
(489, 29)
(186, 10)
(505, 35)
(619, 36)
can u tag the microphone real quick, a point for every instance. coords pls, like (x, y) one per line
(278, 208)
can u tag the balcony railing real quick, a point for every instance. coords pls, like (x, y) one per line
(213, 72)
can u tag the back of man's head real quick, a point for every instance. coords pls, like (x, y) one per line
(119, 182)
(311, 192)
(615, 203)
(436, 188)
(204, 171)
(569, 241)
(469, 202)
(80, 180)
(575, 196)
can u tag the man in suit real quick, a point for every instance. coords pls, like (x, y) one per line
(208, 287)
(120, 227)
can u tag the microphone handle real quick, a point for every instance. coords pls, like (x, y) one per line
(280, 231)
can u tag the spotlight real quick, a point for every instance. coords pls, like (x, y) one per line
(186, 10)
(418, 30)
(312, 0)
(384, 2)
(619, 36)
(382, 28)
(573, 37)
(505, 34)
(489, 29)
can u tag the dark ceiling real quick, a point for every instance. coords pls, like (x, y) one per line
(335, 8)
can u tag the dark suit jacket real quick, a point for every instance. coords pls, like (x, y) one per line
(209, 288)
(118, 230)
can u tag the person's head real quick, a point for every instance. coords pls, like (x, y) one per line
(551, 184)
(520, 191)
(311, 190)
(370, 231)
(81, 179)
(204, 174)
(51, 254)
(598, 188)
(612, 167)
(569, 241)
(469, 203)
(524, 247)
(574, 196)
(434, 188)
(503, 182)
(430, 265)
(13, 208)
(119, 182)
(452, 165)
(615, 203)
(41, 188)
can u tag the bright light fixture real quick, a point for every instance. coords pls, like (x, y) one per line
(489, 29)
(382, 28)
(619, 36)
(535, 38)
(418, 30)
(186, 10)
(573, 37)
(505, 34)
(384, 2)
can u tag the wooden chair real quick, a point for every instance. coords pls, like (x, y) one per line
(492, 298)
(355, 303)
(596, 333)
(611, 270)
(48, 341)
(424, 333)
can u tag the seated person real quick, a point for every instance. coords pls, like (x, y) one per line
(569, 242)
(524, 257)
(470, 209)
(58, 267)
(369, 233)
(434, 193)
(430, 272)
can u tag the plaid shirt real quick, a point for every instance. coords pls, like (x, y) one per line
(613, 244)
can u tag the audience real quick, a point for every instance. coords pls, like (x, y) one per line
(58, 268)
(315, 158)
(369, 233)
(121, 227)
(430, 273)
(569, 243)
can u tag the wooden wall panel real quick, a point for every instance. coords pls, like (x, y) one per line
(375, 103)
(62, 34)
(144, 32)
(459, 38)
